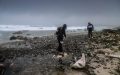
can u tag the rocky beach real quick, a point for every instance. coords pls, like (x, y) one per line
(35, 55)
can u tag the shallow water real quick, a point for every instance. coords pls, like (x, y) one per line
(5, 35)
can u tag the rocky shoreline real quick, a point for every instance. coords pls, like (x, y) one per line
(34, 56)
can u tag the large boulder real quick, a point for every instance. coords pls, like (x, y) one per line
(13, 37)
(18, 38)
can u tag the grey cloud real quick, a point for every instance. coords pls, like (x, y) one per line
(54, 12)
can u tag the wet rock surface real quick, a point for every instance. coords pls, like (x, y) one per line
(34, 56)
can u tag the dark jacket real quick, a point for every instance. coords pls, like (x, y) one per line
(90, 27)
(61, 32)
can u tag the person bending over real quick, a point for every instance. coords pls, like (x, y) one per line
(61, 33)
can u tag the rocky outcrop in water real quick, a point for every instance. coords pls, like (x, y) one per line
(14, 37)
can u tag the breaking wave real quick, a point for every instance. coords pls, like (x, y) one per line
(32, 28)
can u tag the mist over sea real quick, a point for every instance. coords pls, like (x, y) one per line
(34, 28)
(40, 28)
(37, 30)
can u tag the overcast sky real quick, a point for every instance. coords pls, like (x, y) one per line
(56, 12)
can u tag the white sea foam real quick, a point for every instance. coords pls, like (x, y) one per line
(32, 28)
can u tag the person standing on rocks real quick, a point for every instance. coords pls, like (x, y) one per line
(61, 33)
(90, 29)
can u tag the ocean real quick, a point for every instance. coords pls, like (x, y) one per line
(33, 28)
(36, 30)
